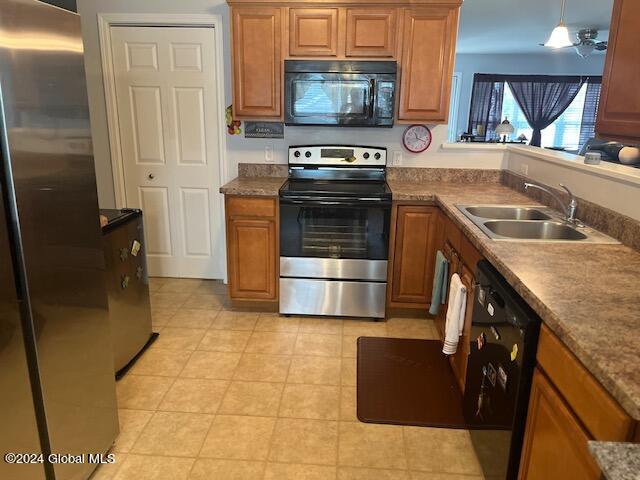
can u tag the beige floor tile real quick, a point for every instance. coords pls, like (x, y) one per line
(131, 424)
(193, 318)
(317, 344)
(224, 341)
(160, 317)
(304, 441)
(349, 346)
(331, 326)
(446, 476)
(296, 471)
(355, 473)
(209, 302)
(155, 283)
(364, 328)
(107, 471)
(320, 402)
(179, 338)
(315, 370)
(252, 398)
(239, 437)
(349, 371)
(212, 287)
(146, 467)
(161, 362)
(173, 433)
(348, 404)
(212, 365)
(441, 450)
(227, 320)
(271, 342)
(168, 300)
(194, 395)
(257, 367)
(180, 285)
(368, 445)
(272, 322)
(207, 469)
(422, 328)
(141, 392)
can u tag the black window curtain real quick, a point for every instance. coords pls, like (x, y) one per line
(590, 112)
(486, 103)
(543, 98)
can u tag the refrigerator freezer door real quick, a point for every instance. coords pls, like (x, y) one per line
(51, 179)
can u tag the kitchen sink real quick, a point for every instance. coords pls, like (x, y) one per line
(543, 230)
(507, 213)
(523, 223)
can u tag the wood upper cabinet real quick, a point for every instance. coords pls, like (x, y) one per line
(428, 53)
(619, 108)
(252, 248)
(555, 444)
(414, 256)
(313, 32)
(257, 61)
(371, 32)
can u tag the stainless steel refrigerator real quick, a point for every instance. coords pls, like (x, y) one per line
(57, 389)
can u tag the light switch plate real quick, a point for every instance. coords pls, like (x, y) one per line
(268, 154)
(397, 159)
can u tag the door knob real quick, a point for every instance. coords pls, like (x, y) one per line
(151, 176)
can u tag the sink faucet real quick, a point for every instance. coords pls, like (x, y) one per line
(568, 209)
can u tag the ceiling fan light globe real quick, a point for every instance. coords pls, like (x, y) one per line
(585, 49)
(559, 38)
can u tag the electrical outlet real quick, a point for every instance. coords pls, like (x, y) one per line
(397, 159)
(524, 169)
(268, 154)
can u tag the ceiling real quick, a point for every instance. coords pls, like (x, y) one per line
(518, 26)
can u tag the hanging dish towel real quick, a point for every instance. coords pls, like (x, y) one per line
(440, 275)
(455, 315)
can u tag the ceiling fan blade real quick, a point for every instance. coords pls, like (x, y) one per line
(601, 46)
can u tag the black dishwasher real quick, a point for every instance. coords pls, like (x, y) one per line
(500, 366)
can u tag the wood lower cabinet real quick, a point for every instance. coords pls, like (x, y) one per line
(252, 248)
(555, 443)
(619, 108)
(313, 32)
(257, 61)
(413, 256)
(371, 32)
(428, 53)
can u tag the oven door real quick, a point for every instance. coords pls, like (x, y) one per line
(335, 228)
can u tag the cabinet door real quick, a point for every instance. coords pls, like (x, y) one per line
(619, 109)
(257, 69)
(427, 63)
(555, 444)
(252, 259)
(371, 32)
(459, 359)
(313, 32)
(414, 255)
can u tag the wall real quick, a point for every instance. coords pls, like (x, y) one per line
(240, 149)
(551, 63)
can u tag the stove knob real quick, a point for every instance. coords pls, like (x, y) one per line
(296, 153)
(377, 156)
(366, 155)
(307, 154)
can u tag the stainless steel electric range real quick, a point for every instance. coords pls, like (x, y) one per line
(335, 211)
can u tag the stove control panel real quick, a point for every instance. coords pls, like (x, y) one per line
(356, 156)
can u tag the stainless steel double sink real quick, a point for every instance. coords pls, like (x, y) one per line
(529, 224)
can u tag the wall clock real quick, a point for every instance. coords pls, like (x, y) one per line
(416, 138)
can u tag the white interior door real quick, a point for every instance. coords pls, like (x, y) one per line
(168, 117)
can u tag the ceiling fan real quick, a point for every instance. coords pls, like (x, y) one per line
(586, 43)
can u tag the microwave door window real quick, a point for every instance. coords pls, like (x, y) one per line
(330, 98)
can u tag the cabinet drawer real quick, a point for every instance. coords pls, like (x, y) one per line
(597, 410)
(251, 207)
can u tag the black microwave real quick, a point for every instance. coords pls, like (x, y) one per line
(346, 93)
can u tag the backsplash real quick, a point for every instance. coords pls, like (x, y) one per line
(614, 224)
(458, 175)
(262, 170)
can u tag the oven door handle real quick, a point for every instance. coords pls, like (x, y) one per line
(345, 202)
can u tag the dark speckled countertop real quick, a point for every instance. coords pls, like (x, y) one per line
(588, 294)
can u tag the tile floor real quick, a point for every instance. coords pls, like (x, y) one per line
(232, 395)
